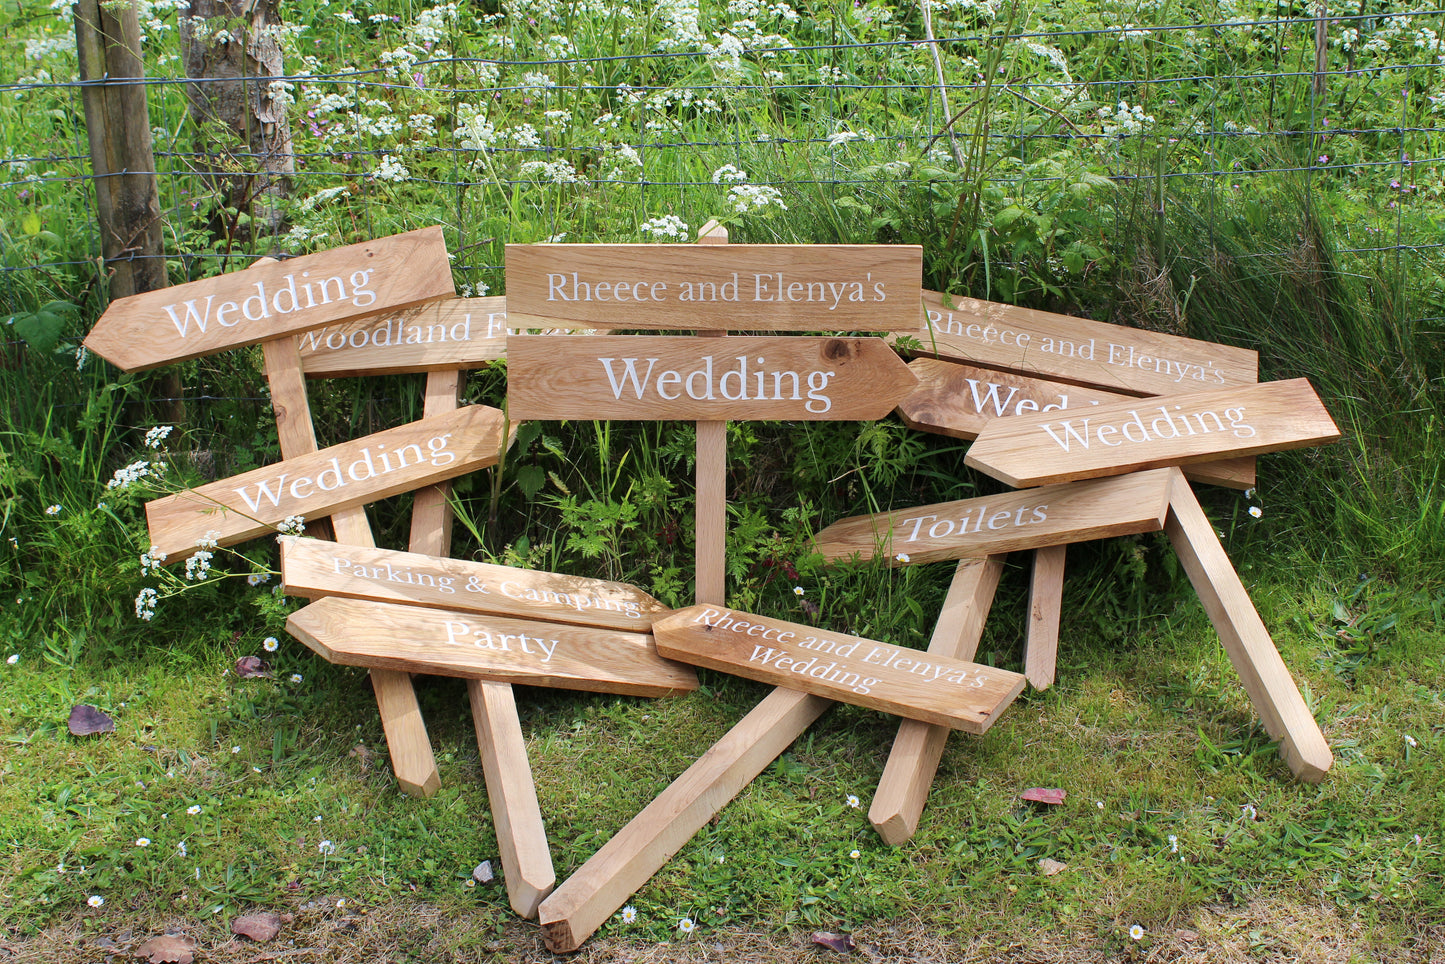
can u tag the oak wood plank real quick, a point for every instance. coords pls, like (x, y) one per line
(273, 299)
(918, 747)
(1266, 678)
(448, 335)
(758, 287)
(1128, 360)
(1046, 591)
(1006, 522)
(958, 400)
(431, 516)
(358, 632)
(849, 669)
(602, 884)
(313, 569)
(1128, 436)
(325, 482)
(660, 377)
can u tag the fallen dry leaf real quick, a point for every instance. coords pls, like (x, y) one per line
(1050, 867)
(482, 874)
(259, 926)
(842, 943)
(167, 949)
(248, 667)
(1049, 795)
(1186, 935)
(87, 720)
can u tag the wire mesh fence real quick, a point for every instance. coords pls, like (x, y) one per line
(964, 124)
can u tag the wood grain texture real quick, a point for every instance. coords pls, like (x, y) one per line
(958, 400)
(325, 482)
(710, 475)
(451, 334)
(1129, 436)
(1266, 678)
(1046, 592)
(431, 515)
(1128, 360)
(651, 378)
(757, 287)
(849, 669)
(412, 761)
(918, 747)
(1007, 522)
(626, 862)
(356, 632)
(271, 300)
(517, 817)
(313, 569)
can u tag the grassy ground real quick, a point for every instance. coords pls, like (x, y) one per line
(1299, 225)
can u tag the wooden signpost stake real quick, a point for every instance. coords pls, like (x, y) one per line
(521, 835)
(1046, 597)
(1119, 437)
(1266, 679)
(711, 509)
(913, 761)
(412, 761)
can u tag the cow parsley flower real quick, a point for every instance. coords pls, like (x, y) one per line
(158, 435)
(728, 174)
(667, 226)
(145, 604)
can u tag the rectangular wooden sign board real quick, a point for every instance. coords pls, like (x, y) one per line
(752, 287)
(1135, 434)
(958, 400)
(313, 568)
(359, 632)
(1128, 360)
(849, 669)
(449, 334)
(653, 377)
(1006, 522)
(273, 299)
(317, 484)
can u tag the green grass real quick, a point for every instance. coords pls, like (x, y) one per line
(1055, 206)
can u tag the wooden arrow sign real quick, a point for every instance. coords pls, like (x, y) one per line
(1147, 433)
(451, 334)
(1128, 360)
(758, 287)
(660, 377)
(358, 632)
(318, 484)
(271, 300)
(959, 400)
(1010, 521)
(849, 669)
(313, 568)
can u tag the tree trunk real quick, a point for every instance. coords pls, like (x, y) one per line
(231, 49)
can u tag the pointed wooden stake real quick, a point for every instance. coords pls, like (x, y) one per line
(412, 759)
(1046, 591)
(1266, 679)
(712, 496)
(903, 788)
(639, 850)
